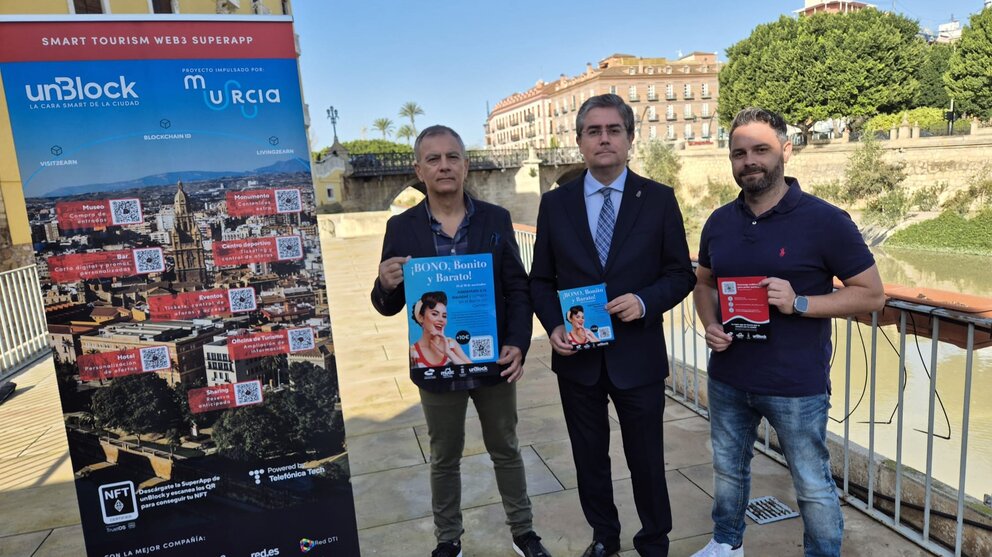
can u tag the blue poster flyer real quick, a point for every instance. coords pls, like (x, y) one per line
(452, 309)
(587, 322)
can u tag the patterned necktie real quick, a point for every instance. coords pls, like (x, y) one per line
(604, 227)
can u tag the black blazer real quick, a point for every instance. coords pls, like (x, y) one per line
(490, 230)
(648, 257)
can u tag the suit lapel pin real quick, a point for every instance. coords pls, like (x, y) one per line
(638, 193)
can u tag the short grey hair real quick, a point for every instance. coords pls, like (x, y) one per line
(753, 114)
(432, 131)
(608, 100)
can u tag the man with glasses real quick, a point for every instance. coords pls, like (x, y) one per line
(612, 226)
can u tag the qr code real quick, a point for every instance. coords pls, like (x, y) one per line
(481, 348)
(148, 260)
(729, 288)
(289, 247)
(154, 358)
(288, 201)
(605, 332)
(301, 339)
(241, 299)
(125, 211)
(249, 392)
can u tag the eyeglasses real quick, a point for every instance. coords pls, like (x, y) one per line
(597, 131)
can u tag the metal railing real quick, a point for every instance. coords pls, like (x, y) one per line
(899, 490)
(23, 331)
(380, 164)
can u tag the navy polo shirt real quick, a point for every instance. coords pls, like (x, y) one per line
(805, 241)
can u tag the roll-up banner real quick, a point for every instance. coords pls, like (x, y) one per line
(166, 173)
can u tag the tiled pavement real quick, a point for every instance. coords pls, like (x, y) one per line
(387, 447)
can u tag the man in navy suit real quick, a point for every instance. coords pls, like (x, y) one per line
(449, 222)
(612, 226)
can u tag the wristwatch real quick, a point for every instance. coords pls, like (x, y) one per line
(800, 305)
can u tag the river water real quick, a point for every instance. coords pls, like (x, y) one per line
(967, 274)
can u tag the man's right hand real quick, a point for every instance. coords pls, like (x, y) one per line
(559, 341)
(391, 272)
(716, 338)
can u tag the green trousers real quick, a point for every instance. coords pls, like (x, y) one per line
(497, 413)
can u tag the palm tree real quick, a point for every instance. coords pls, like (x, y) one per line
(411, 110)
(407, 132)
(384, 125)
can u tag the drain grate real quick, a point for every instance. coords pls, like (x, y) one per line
(768, 509)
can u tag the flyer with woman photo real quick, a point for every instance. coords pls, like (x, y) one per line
(452, 309)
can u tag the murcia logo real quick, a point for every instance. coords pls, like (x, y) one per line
(118, 502)
(73, 89)
(232, 94)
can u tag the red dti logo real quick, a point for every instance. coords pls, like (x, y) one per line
(781, 252)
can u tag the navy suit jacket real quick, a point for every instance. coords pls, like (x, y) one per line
(490, 230)
(648, 257)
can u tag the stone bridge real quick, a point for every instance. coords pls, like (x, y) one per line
(514, 179)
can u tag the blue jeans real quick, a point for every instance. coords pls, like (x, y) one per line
(801, 424)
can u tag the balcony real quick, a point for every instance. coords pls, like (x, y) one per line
(652, 98)
(653, 118)
(689, 96)
(670, 97)
(689, 117)
(706, 96)
(671, 117)
(706, 115)
(634, 99)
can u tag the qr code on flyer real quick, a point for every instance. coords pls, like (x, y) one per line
(148, 260)
(481, 348)
(288, 201)
(125, 211)
(241, 299)
(605, 332)
(154, 358)
(289, 247)
(729, 288)
(301, 339)
(249, 392)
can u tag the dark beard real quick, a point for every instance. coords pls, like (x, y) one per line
(770, 178)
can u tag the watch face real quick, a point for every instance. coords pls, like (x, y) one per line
(801, 304)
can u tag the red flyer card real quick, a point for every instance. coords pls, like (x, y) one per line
(228, 395)
(204, 303)
(264, 202)
(271, 343)
(109, 365)
(101, 213)
(245, 251)
(106, 264)
(744, 307)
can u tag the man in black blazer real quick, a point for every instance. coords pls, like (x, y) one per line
(612, 226)
(449, 222)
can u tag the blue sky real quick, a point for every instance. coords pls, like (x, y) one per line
(452, 57)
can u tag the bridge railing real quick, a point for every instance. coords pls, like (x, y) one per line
(23, 331)
(390, 163)
(890, 480)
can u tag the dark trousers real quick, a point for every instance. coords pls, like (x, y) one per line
(640, 411)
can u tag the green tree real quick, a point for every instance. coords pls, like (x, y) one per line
(826, 65)
(384, 125)
(254, 432)
(411, 110)
(969, 78)
(311, 402)
(661, 163)
(933, 92)
(367, 146)
(142, 403)
(406, 132)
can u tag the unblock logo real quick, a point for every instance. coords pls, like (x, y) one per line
(232, 94)
(75, 89)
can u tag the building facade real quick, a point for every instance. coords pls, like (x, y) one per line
(673, 100)
(832, 7)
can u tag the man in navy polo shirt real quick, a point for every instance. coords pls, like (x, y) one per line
(799, 243)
